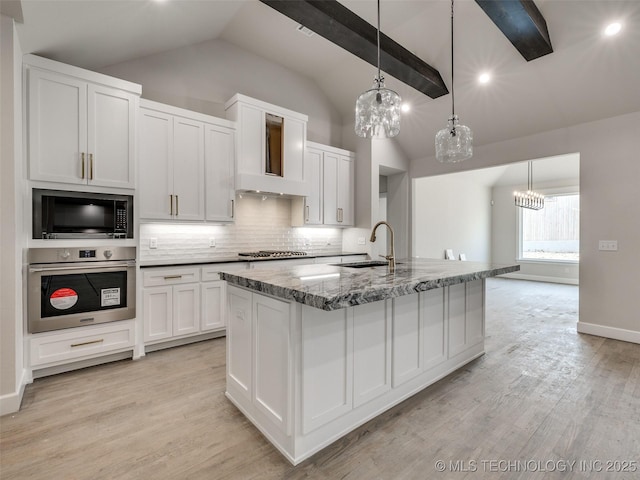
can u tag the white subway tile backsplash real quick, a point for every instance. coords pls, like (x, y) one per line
(260, 225)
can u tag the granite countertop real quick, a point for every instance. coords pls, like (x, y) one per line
(173, 262)
(332, 287)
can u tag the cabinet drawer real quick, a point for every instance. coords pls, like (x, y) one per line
(81, 342)
(210, 272)
(170, 276)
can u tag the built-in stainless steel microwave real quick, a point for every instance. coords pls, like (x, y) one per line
(63, 214)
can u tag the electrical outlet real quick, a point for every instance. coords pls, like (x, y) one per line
(608, 245)
(212, 242)
(362, 241)
(153, 243)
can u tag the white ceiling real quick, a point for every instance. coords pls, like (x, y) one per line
(588, 77)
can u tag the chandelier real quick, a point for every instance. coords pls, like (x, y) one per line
(529, 199)
(455, 142)
(378, 109)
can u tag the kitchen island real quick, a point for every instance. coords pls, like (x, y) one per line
(314, 351)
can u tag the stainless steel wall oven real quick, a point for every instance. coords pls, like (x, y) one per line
(71, 287)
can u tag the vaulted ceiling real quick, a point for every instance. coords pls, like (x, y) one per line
(587, 77)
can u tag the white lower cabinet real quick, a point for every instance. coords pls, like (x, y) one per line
(171, 311)
(183, 302)
(270, 324)
(82, 343)
(306, 376)
(213, 298)
(239, 327)
(186, 309)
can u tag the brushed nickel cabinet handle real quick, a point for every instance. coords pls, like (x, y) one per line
(172, 277)
(233, 208)
(91, 166)
(170, 204)
(307, 219)
(177, 209)
(82, 164)
(91, 342)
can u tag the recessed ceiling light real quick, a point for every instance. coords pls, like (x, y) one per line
(613, 29)
(405, 107)
(484, 77)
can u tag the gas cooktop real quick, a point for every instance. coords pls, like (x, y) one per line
(272, 253)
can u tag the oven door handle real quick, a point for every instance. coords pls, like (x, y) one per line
(102, 268)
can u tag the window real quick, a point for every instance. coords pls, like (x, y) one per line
(551, 234)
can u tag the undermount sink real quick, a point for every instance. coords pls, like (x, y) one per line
(371, 263)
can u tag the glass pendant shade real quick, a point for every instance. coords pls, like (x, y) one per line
(454, 143)
(378, 112)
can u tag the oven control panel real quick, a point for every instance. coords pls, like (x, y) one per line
(94, 254)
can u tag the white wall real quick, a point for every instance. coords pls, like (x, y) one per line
(204, 76)
(504, 235)
(609, 179)
(11, 194)
(451, 212)
(375, 157)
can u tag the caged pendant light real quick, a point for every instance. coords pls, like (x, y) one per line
(529, 199)
(455, 142)
(378, 109)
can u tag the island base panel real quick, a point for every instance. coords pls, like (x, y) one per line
(337, 370)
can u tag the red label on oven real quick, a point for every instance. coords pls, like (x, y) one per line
(63, 298)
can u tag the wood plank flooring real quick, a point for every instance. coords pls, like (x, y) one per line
(542, 395)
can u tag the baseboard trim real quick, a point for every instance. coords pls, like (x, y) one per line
(10, 403)
(541, 278)
(614, 333)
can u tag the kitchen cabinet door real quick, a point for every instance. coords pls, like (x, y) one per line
(293, 155)
(186, 309)
(111, 137)
(79, 132)
(219, 173)
(155, 165)
(345, 191)
(214, 297)
(57, 127)
(313, 207)
(158, 313)
(330, 189)
(188, 169)
(240, 340)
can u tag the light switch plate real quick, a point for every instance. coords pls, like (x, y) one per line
(153, 243)
(212, 242)
(608, 245)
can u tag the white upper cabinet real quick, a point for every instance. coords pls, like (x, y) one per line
(270, 146)
(312, 204)
(219, 173)
(186, 165)
(171, 164)
(81, 125)
(188, 169)
(330, 196)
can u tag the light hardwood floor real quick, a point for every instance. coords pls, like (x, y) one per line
(542, 395)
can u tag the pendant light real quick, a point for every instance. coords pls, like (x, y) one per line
(529, 199)
(455, 142)
(378, 109)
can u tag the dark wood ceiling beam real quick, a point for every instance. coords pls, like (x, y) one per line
(522, 23)
(339, 25)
